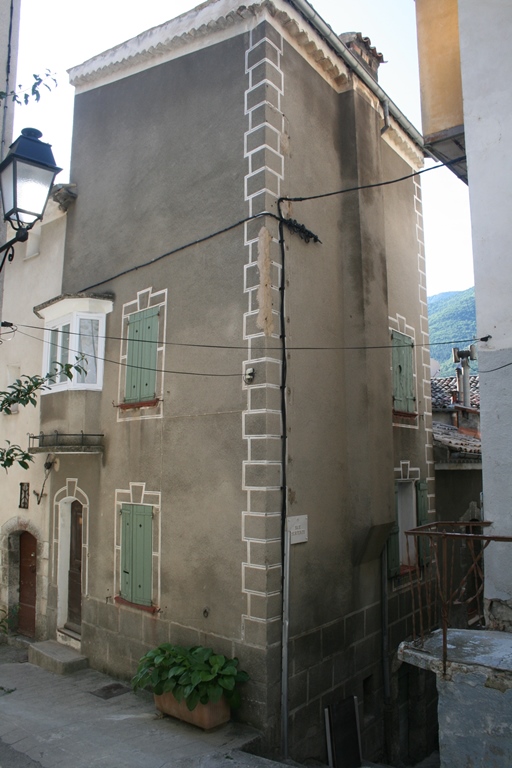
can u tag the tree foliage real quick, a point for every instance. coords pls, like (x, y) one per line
(22, 95)
(452, 319)
(24, 392)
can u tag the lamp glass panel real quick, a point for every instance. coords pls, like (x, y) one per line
(32, 187)
(7, 188)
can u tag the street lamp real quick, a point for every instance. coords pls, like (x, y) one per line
(26, 178)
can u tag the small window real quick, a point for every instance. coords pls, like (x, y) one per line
(24, 495)
(136, 553)
(411, 509)
(404, 400)
(141, 356)
(76, 337)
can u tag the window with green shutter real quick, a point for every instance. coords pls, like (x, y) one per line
(136, 553)
(141, 356)
(404, 400)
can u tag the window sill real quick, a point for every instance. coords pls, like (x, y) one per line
(405, 414)
(148, 608)
(404, 419)
(140, 404)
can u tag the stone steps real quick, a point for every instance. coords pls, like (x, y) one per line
(57, 658)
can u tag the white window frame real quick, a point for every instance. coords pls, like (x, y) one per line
(70, 311)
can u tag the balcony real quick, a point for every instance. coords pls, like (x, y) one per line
(63, 442)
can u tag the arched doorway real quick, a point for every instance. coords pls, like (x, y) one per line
(27, 584)
(70, 546)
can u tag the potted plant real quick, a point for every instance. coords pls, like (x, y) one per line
(194, 684)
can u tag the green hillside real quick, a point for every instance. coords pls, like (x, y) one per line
(452, 319)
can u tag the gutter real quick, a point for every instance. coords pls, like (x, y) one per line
(341, 49)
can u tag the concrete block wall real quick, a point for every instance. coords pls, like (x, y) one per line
(340, 659)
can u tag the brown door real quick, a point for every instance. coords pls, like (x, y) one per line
(28, 572)
(75, 569)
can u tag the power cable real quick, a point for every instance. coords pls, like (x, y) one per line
(374, 185)
(267, 348)
(137, 367)
(291, 223)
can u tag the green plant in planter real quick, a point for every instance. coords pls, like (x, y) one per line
(196, 674)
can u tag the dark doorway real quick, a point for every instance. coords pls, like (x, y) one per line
(28, 573)
(75, 569)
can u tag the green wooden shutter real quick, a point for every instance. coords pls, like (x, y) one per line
(394, 544)
(141, 356)
(403, 378)
(422, 517)
(136, 553)
(126, 551)
(142, 554)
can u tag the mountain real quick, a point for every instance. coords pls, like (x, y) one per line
(452, 319)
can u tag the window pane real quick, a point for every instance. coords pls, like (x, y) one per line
(88, 346)
(64, 349)
(54, 350)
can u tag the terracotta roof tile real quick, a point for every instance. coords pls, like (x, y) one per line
(461, 447)
(443, 387)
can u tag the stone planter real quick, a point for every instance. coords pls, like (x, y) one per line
(205, 716)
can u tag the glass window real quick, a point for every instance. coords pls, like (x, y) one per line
(76, 338)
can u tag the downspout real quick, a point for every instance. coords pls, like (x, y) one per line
(285, 535)
(341, 49)
(7, 81)
(386, 678)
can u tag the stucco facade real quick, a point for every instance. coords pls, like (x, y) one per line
(485, 125)
(184, 140)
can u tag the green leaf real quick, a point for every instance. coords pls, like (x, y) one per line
(228, 683)
(214, 693)
(192, 700)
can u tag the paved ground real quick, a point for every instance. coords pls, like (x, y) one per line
(57, 721)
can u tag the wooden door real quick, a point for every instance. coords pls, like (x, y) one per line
(28, 573)
(75, 568)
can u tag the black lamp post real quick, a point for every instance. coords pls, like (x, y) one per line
(26, 178)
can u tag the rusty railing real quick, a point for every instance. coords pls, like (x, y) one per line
(447, 578)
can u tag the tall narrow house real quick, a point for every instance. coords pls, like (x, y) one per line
(251, 438)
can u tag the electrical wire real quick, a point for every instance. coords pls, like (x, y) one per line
(182, 248)
(264, 214)
(498, 368)
(374, 185)
(139, 367)
(267, 348)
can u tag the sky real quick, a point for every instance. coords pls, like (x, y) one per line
(59, 34)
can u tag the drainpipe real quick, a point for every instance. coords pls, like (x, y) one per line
(7, 86)
(284, 646)
(386, 678)
(341, 49)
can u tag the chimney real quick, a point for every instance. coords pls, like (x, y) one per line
(364, 52)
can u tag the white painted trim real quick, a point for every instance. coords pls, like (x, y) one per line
(61, 540)
(145, 299)
(137, 494)
(75, 304)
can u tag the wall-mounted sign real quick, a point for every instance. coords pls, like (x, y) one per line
(298, 528)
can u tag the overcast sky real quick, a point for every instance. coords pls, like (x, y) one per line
(58, 34)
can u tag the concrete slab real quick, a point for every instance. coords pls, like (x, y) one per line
(56, 657)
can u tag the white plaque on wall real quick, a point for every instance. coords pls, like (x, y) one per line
(298, 528)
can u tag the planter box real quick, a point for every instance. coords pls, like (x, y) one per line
(205, 716)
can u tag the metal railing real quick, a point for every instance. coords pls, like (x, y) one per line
(55, 439)
(447, 578)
